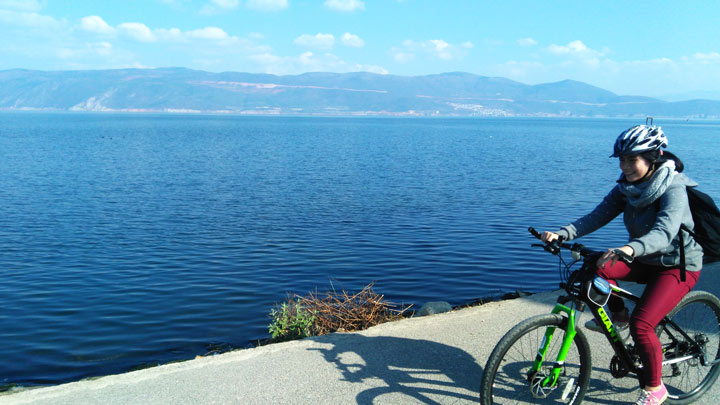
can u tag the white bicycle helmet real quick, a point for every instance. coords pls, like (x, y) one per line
(639, 139)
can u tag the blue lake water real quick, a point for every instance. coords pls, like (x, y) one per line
(134, 239)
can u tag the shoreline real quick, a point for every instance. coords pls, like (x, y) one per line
(437, 358)
(388, 115)
(282, 351)
(12, 388)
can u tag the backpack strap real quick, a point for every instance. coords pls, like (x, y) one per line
(682, 253)
(682, 244)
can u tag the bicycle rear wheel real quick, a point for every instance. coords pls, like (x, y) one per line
(698, 314)
(505, 378)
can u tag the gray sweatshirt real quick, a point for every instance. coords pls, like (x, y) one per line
(653, 228)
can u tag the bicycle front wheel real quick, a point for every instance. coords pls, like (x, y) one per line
(698, 314)
(506, 379)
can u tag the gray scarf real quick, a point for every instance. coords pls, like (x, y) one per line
(645, 193)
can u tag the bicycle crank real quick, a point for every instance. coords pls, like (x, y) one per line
(617, 368)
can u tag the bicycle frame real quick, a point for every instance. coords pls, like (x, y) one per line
(609, 331)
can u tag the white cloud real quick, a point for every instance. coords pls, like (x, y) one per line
(439, 48)
(434, 48)
(305, 62)
(104, 49)
(267, 5)
(96, 24)
(352, 40)
(138, 31)
(579, 56)
(661, 61)
(88, 50)
(29, 19)
(647, 77)
(576, 47)
(91, 42)
(707, 58)
(21, 5)
(143, 33)
(527, 42)
(327, 41)
(309, 62)
(319, 41)
(211, 33)
(345, 5)
(172, 34)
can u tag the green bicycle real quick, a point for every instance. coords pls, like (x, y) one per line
(546, 359)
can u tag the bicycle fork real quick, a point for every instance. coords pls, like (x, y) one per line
(541, 383)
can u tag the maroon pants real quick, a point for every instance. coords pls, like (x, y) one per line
(663, 292)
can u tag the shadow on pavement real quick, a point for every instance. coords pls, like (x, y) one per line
(428, 372)
(609, 391)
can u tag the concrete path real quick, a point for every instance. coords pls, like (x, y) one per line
(430, 360)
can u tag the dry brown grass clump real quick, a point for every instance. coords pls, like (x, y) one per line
(319, 314)
(340, 311)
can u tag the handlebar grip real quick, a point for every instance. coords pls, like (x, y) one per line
(537, 235)
(551, 247)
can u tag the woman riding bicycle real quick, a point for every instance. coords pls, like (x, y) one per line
(651, 196)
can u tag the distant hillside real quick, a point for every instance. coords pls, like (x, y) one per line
(447, 94)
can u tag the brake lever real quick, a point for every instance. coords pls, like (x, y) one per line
(624, 256)
(549, 247)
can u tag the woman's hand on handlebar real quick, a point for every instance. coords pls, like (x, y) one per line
(613, 255)
(549, 237)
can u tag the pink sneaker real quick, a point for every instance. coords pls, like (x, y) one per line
(653, 397)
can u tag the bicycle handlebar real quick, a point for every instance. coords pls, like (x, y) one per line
(570, 280)
(554, 247)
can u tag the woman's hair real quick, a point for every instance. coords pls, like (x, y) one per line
(657, 159)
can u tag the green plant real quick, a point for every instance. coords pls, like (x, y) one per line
(290, 320)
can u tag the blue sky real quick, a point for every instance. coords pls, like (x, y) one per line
(641, 47)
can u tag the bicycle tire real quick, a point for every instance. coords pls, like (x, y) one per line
(697, 314)
(504, 378)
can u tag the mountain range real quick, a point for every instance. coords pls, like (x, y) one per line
(446, 94)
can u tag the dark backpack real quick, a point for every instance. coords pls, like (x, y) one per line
(706, 216)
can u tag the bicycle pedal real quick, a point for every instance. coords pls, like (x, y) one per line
(675, 370)
(568, 387)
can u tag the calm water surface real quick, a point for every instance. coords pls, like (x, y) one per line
(128, 240)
